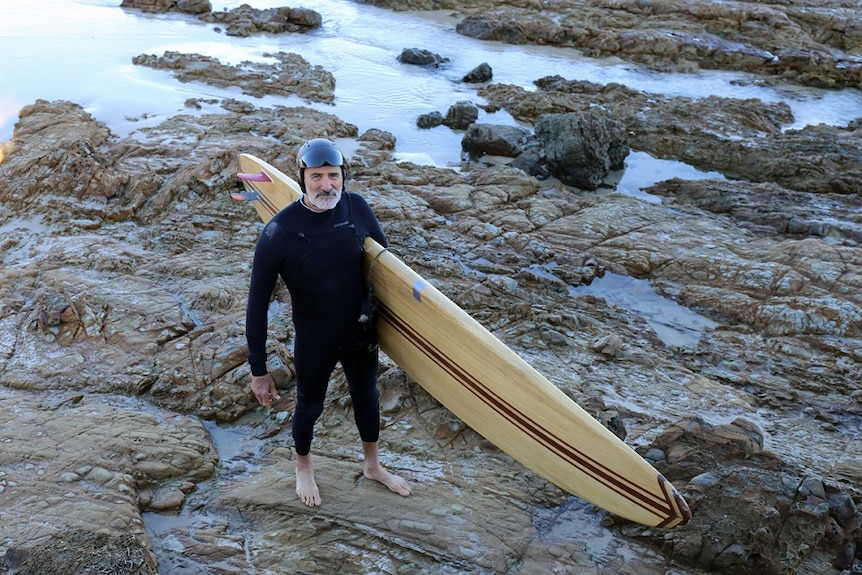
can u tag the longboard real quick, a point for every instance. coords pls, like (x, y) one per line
(487, 385)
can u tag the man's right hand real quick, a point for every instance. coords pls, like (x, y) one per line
(263, 387)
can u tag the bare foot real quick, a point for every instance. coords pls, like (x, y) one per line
(306, 486)
(395, 483)
(373, 470)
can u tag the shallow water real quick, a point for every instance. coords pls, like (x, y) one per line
(676, 325)
(82, 50)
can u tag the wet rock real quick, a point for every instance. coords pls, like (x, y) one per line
(732, 136)
(246, 21)
(242, 21)
(494, 140)
(788, 515)
(430, 120)
(159, 313)
(483, 28)
(531, 162)
(185, 6)
(461, 115)
(421, 57)
(480, 74)
(291, 74)
(769, 209)
(609, 416)
(777, 40)
(607, 345)
(76, 150)
(94, 457)
(581, 148)
(77, 551)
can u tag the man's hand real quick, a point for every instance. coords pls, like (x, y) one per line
(263, 387)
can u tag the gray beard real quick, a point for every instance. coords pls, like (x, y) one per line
(323, 201)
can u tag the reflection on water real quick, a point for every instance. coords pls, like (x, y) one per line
(228, 441)
(170, 531)
(642, 171)
(33, 225)
(676, 325)
(579, 520)
(20, 235)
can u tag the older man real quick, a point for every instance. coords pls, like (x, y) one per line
(316, 246)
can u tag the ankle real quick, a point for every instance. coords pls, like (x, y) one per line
(303, 463)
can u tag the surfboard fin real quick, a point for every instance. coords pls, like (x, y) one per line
(247, 197)
(257, 177)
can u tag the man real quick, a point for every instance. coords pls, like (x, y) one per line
(316, 246)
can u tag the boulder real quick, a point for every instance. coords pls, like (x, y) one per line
(582, 147)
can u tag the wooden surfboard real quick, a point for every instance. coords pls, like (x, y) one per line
(490, 387)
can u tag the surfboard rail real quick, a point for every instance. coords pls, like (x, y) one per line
(490, 387)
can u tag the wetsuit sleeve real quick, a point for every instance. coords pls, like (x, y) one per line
(376, 232)
(264, 274)
(369, 221)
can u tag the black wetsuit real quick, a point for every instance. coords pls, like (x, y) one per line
(319, 257)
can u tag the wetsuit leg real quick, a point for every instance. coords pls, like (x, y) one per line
(314, 362)
(360, 368)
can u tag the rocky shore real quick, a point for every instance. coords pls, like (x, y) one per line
(122, 299)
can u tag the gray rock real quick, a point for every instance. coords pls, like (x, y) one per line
(582, 147)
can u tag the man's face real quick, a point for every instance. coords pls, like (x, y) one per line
(323, 187)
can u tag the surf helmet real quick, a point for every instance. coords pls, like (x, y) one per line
(316, 153)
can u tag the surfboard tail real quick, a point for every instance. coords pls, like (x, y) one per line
(679, 511)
